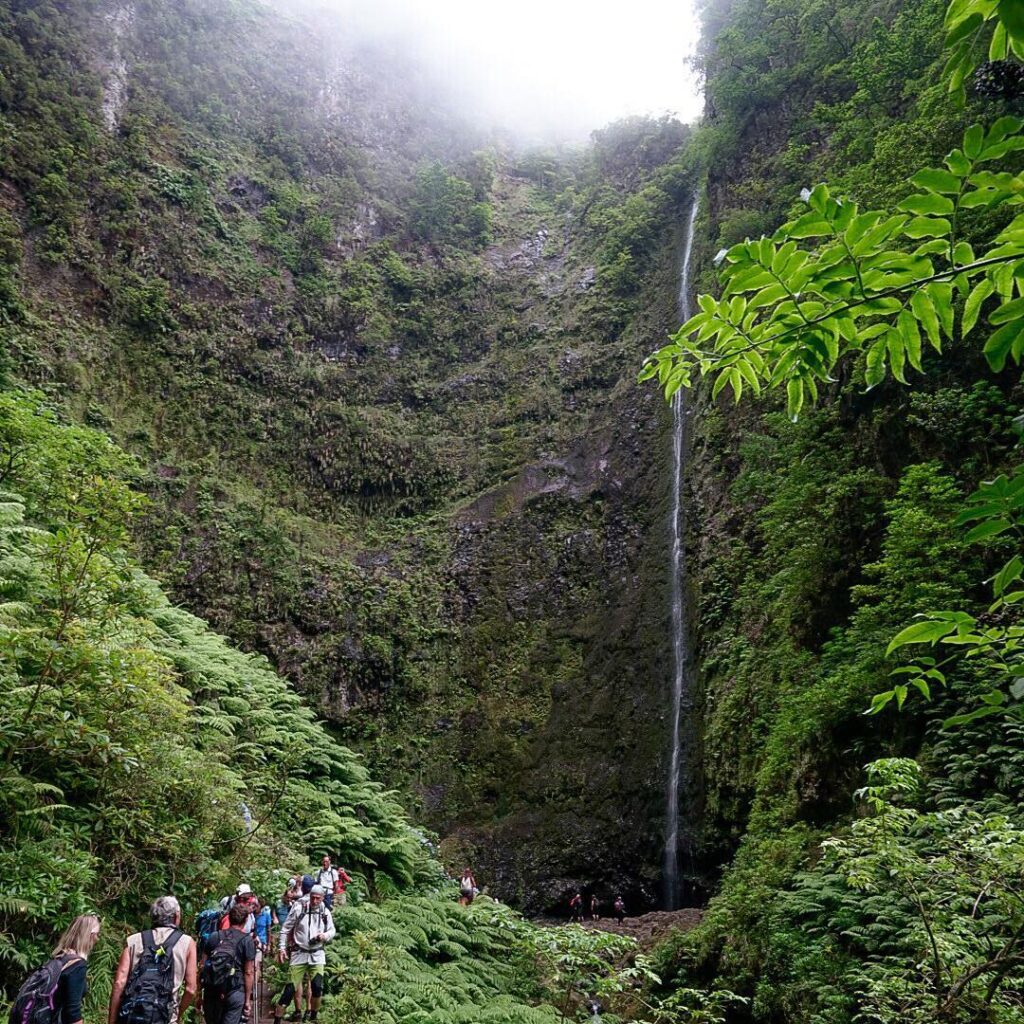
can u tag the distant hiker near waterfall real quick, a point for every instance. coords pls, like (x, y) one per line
(467, 888)
(576, 909)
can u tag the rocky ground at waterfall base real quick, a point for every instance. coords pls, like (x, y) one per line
(647, 929)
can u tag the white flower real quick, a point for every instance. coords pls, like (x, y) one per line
(805, 194)
(720, 255)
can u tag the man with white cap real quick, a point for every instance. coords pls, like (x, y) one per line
(245, 896)
(308, 928)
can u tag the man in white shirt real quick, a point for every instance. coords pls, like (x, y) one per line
(303, 935)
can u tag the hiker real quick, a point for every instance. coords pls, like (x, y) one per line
(620, 909)
(333, 881)
(576, 909)
(309, 927)
(155, 981)
(247, 898)
(595, 908)
(265, 920)
(60, 982)
(226, 970)
(340, 892)
(467, 888)
(292, 892)
(297, 893)
(206, 923)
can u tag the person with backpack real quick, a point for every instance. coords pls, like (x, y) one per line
(155, 981)
(309, 927)
(333, 880)
(595, 908)
(576, 909)
(620, 909)
(467, 888)
(207, 922)
(247, 898)
(292, 893)
(53, 993)
(227, 970)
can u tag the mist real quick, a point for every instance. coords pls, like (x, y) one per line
(541, 70)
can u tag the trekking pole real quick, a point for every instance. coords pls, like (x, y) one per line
(257, 990)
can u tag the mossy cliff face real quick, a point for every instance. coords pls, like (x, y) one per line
(380, 379)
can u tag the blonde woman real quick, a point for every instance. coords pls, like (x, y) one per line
(73, 950)
(60, 982)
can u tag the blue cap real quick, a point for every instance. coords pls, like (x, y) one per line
(307, 883)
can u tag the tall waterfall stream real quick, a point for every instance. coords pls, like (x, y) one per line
(680, 636)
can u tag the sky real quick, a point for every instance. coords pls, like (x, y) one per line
(547, 67)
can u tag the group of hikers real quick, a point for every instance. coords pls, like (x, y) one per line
(576, 908)
(162, 971)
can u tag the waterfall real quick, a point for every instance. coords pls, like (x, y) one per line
(680, 637)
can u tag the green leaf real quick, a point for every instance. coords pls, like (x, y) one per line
(1007, 312)
(879, 701)
(971, 716)
(794, 397)
(957, 68)
(928, 632)
(810, 225)
(958, 163)
(1011, 14)
(911, 336)
(927, 204)
(927, 227)
(766, 296)
(964, 29)
(1007, 575)
(749, 375)
(989, 528)
(922, 685)
(1002, 344)
(999, 45)
(897, 354)
(941, 294)
(923, 309)
(874, 370)
(935, 180)
(973, 138)
(972, 307)
(1002, 127)
(963, 254)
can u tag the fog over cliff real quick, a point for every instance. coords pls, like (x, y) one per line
(550, 70)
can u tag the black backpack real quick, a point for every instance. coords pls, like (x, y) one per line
(36, 1000)
(222, 969)
(148, 996)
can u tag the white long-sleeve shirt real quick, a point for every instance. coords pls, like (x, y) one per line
(303, 925)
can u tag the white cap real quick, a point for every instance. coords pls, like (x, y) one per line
(243, 889)
(317, 890)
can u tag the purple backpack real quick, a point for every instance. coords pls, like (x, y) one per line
(36, 1001)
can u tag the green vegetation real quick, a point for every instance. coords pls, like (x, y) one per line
(366, 363)
(134, 740)
(132, 734)
(291, 348)
(911, 910)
